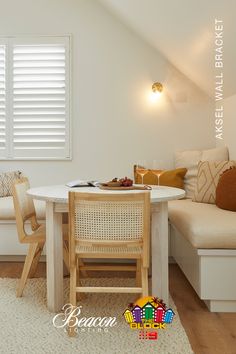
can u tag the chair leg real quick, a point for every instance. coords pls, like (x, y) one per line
(66, 244)
(36, 259)
(138, 273)
(144, 272)
(71, 330)
(66, 254)
(33, 247)
(80, 296)
(66, 258)
(73, 279)
(81, 264)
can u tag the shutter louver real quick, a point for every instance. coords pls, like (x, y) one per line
(40, 104)
(2, 101)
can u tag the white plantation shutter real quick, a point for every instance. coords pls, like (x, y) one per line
(38, 119)
(2, 101)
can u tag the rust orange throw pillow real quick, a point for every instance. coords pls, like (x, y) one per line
(226, 190)
(170, 178)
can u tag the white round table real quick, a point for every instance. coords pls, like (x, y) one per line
(56, 198)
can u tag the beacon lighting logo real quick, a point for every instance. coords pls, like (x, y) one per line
(71, 320)
(147, 315)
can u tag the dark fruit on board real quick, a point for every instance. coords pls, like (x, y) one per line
(126, 182)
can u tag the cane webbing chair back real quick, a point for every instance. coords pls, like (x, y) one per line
(110, 219)
(24, 207)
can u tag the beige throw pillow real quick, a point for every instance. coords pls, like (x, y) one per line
(189, 159)
(207, 179)
(6, 181)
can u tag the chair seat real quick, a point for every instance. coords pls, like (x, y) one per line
(109, 251)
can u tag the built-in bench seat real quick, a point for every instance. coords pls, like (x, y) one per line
(7, 211)
(204, 225)
(203, 243)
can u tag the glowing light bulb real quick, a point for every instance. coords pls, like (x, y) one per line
(155, 96)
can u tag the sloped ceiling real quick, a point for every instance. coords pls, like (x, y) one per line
(183, 31)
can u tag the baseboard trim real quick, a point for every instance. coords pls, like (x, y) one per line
(18, 258)
(221, 305)
(21, 258)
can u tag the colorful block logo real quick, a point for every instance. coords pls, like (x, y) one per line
(148, 313)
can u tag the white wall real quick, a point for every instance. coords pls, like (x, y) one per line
(114, 124)
(229, 126)
(187, 29)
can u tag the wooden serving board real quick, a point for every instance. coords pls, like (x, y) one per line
(103, 186)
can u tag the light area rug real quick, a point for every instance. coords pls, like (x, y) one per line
(26, 324)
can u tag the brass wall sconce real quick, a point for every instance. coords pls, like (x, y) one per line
(157, 87)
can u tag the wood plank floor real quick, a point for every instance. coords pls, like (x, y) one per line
(208, 333)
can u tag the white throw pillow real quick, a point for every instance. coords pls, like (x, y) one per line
(189, 159)
(6, 182)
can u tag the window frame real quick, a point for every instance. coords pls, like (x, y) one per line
(9, 41)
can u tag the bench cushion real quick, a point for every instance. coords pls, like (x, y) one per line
(204, 225)
(7, 211)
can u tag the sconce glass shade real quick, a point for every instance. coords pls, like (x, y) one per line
(157, 87)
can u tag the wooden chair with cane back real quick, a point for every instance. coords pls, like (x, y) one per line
(25, 212)
(109, 226)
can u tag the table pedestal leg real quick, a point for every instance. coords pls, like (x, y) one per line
(160, 281)
(54, 248)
